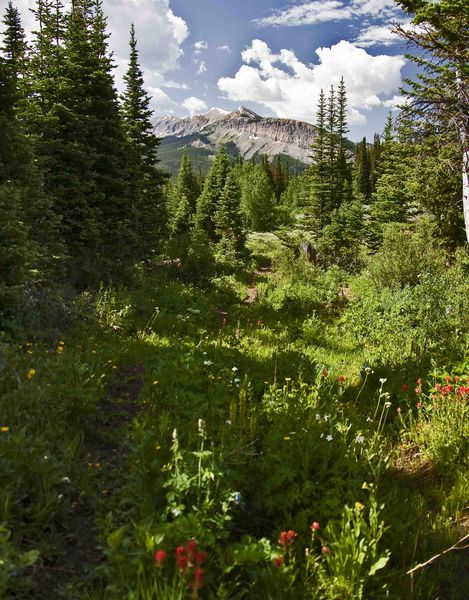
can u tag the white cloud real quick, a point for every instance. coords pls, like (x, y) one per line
(199, 46)
(175, 85)
(291, 88)
(376, 35)
(224, 48)
(194, 105)
(320, 11)
(395, 103)
(202, 67)
(160, 34)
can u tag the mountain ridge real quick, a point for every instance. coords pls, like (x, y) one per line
(250, 133)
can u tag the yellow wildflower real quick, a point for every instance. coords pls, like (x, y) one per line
(60, 349)
(30, 373)
(155, 382)
(359, 506)
(4, 429)
(286, 438)
(364, 486)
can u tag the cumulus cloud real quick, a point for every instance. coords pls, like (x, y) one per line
(320, 11)
(395, 103)
(291, 88)
(194, 105)
(160, 34)
(200, 46)
(224, 48)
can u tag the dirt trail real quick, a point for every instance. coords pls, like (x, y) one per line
(105, 455)
(252, 291)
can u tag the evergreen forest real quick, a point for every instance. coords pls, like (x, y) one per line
(248, 385)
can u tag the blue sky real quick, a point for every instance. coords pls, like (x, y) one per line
(270, 55)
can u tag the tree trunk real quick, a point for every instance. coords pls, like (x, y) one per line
(465, 187)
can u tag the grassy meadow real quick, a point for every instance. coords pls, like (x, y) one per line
(284, 432)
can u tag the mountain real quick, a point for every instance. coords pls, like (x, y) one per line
(243, 131)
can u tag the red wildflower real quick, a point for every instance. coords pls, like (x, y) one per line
(447, 378)
(438, 387)
(287, 537)
(419, 381)
(457, 379)
(325, 373)
(198, 579)
(419, 405)
(341, 378)
(191, 548)
(315, 526)
(278, 561)
(325, 550)
(159, 557)
(180, 551)
(405, 387)
(200, 557)
(418, 389)
(182, 562)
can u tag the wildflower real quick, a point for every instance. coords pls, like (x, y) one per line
(418, 389)
(447, 378)
(382, 380)
(419, 405)
(287, 537)
(182, 562)
(180, 551)
(286, 438)
(326, 417)
(318, 417)
(198, 579)
(387, 404)
(4, 429)
(201, 425)
(278, 561)
(207, 363)
(341, 378)
(405, 387)
(30, 373)
(237, 498)
(325, 373)
(315, 526)
(234, 369)
(287, 378)
(159, 558)
(200, 557)
(359, 439)
(155, 382)
(419, 381)
(325, 550)
(59, 349)
(359, 506)
(364, 486)
(191, 549)
(228, 421)
(329, 437)
(399, 410)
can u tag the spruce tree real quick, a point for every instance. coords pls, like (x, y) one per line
(209, 199)
(344, 172)
(145, 178)
(362, 182)
(257, 197)
(14, 48)
(391, 202)
(228, 224)
(319, 177)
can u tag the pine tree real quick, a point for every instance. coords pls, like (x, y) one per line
(362, 182)
(439, 98)
(320, 180)
(228, 223)
(145, 178)
(391, 202)
(375, 157)
(257, 197)
(209, 199)
(14, 48)
(344, 172)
